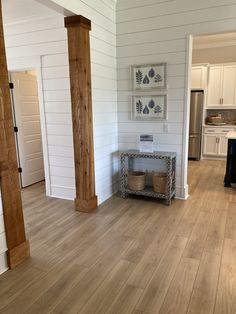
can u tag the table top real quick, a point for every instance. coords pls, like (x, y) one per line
(145, 154)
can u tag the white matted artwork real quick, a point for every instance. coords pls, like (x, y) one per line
(149, 76)
(147, 107)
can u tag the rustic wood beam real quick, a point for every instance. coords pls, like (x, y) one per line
(18, 246)
(78, 28)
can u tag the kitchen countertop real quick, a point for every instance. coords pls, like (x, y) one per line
(220, 126)
(231, 135)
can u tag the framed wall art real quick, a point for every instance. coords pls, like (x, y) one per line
(147, 107)
(149, 76)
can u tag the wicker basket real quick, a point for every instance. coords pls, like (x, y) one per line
(136, 180)
(214, 119)
(159, 182)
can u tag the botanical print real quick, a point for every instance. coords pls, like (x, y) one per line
(149, 76)
(149, 107)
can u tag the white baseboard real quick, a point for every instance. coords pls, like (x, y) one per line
(182, 192)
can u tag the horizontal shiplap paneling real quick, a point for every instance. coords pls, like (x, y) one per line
(47, 37)
(164, 8)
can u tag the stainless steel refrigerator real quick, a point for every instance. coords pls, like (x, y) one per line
(195, 127)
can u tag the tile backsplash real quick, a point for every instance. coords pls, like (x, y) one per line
(228, 115)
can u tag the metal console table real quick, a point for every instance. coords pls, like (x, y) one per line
(168, 157)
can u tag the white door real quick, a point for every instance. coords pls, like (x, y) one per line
(223, 145)
(210, 145)
(229, 86)
(214, 93)
(26, 106)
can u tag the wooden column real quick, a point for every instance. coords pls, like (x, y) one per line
(78, 29)
(18, 246)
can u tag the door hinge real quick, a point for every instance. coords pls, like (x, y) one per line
(11, 85)
(15, 129)
(20, 170)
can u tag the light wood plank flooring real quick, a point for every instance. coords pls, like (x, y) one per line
(132, 256)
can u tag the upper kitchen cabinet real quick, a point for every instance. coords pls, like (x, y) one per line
(229, 86)
(198, 77)
(221, 90)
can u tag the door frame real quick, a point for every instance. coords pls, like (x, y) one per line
(187, 96)
(188, 63)
(35, 63)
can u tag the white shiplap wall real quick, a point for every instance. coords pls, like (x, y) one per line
(154, 31)
(47, 37)
(3, 244)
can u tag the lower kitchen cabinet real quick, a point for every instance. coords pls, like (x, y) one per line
(215, 142)
(210, 144)
(223, 145)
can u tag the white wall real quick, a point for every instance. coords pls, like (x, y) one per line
(47, 37)
(3, 244)
(156, 31)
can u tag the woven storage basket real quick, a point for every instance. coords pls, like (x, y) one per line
(159, 182)
(136, 180)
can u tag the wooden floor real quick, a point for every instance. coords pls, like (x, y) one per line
(132, 256)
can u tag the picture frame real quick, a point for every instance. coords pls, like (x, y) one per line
(149, 107)
(149, 76)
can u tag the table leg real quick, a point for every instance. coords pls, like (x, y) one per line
(123, 177)
(169, 181)
(173, 177)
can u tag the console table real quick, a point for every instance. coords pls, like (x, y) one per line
(127, 160)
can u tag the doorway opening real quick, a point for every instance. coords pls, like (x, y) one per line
(212, 101)
(27, 126)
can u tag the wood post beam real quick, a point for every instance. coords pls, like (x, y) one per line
(18, 246)
(78, 28)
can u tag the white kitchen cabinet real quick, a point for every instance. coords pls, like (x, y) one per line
(215, 143)
(198, 77)
(210, 145)
(229, 86)
(214, 90)
(221, 91)
(222, 145)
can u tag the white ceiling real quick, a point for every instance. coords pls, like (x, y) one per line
(18, 10)
(216, 40)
